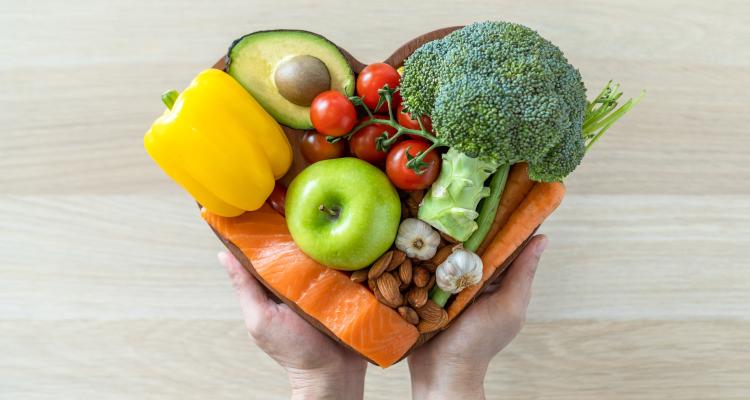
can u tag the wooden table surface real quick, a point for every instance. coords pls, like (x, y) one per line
(109, 284)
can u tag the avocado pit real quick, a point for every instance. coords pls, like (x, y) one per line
(300, 78)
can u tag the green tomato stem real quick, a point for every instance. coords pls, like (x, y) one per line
(416, 164)
(388, 99)
(386, 95)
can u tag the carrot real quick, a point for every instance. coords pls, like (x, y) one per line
(516, 188)
(541, 201)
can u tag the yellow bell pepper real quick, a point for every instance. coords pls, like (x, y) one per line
(219, 144)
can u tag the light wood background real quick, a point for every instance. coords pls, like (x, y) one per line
(109, 285)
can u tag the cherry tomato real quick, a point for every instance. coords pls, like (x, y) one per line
(333, 113)
(277, 198)
(405, 120)
(404, 178)
(396, 101)
(315, 147)
(362, 144)
(372, 78)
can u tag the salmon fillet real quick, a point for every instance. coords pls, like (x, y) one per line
(347, 309)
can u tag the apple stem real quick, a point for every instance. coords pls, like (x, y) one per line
(333, 213)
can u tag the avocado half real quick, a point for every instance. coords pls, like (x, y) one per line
(254, 58)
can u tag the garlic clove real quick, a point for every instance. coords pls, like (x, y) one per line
(460, 270)
(417, 239)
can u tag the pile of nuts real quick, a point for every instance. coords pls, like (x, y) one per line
(403, 283)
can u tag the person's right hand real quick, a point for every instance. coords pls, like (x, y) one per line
(318, 367)
(453, 364)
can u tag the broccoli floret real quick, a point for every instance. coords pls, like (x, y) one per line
(498, 94)
(501, 92)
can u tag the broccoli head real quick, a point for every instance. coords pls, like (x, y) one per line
(500, 92)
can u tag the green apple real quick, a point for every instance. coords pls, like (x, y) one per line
(343, 213)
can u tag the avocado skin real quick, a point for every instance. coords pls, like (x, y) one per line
(296, 117)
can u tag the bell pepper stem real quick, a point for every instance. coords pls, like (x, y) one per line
(169, 97)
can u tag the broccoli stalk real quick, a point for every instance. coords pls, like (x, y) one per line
(451, 203)
(484, 222)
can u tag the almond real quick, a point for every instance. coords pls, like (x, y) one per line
(380, 265)
(388, 287)
(433, 317)
(430, 267)
(372, 284)
(427, 327)
(442, 254)
(431, 283)
(398, 258)
(412, 206)
(447, 238)
(430, 311)
(416, 196)
(405, 272)
(379, 296)
(404, 212)
(409, 315)
(417, 296)
(359, 276)
(421, 276)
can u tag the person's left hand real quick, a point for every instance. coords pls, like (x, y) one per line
(317, 366)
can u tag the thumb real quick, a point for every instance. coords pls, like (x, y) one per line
(253, 299)
(515, 289)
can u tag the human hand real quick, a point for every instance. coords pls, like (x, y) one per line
(453, 364)
(317, 366)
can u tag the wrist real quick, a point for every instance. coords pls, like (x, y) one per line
(447, 380)
(345, 382)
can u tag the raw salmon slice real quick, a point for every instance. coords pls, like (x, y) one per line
(335, 302)
(373, 333)
(347, 309)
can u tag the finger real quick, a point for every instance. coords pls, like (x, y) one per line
(495, 284)
(515, 288)
(253, 299)
(491, 288)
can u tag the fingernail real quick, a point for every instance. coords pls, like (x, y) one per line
(540, 245)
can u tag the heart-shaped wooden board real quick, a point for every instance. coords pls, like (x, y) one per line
(299, 163)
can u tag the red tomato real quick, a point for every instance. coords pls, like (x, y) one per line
(396, 101)
(404, 178)
(333, 113)
(315, 147)
(362, 143)
(278, 198)
(405, 120)
(372, 79)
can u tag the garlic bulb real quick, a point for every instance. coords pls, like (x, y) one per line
(417, 239)
(461, 269)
